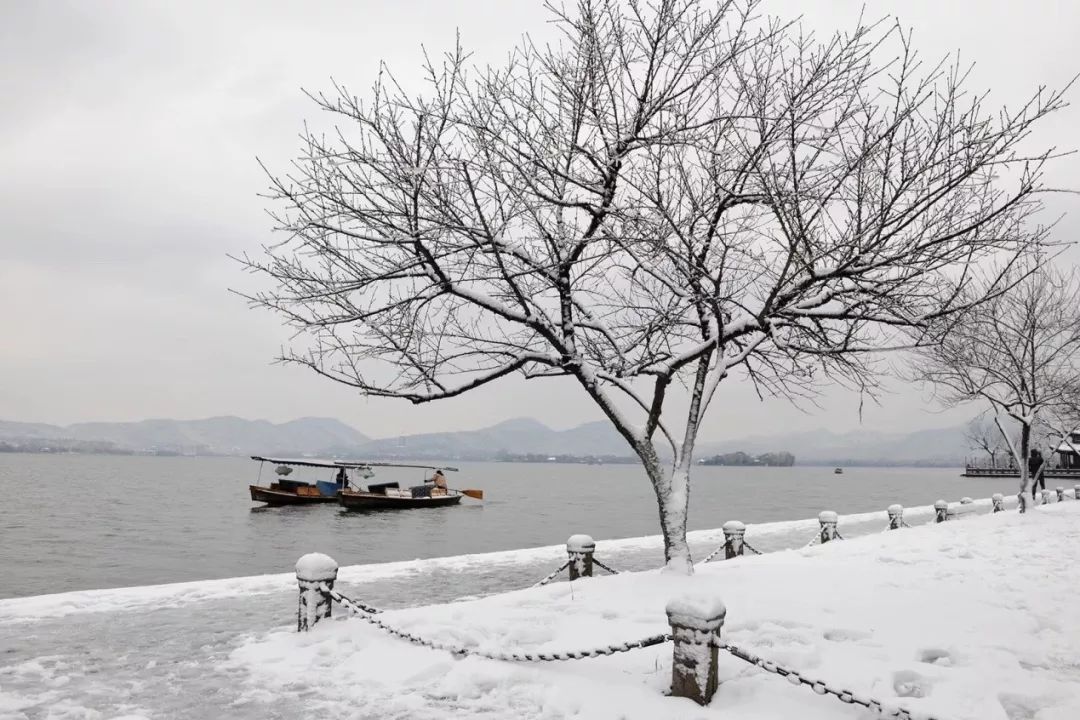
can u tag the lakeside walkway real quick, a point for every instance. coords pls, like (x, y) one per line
(972, 589)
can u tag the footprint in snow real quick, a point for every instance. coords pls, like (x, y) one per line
(846, 635)
(908, 683)
(936, 656)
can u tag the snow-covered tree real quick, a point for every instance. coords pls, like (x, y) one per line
(1019, 353)
(982, 434)
(672, 192)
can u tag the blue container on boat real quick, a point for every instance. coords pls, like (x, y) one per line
(327, 488)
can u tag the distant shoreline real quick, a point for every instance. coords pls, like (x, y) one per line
(959, 465)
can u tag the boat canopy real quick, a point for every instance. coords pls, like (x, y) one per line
(356, 464)
(343, 463)
(305, 462)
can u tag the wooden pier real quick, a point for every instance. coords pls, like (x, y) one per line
(1049, 474)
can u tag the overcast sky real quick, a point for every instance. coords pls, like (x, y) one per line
(128, 140)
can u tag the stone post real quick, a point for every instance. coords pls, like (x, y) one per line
(999, 502)
(1060, 493)
(1076, 492)
(1045, 494)
(941, 511)
(734, 534)
(896, 517)
(315, 574)
(828, 520)
(696, 622)
(1021, 498)
(580, 549)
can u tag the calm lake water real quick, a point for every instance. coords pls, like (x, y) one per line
(73, 522)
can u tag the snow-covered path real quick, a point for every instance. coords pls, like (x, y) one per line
(208, 649)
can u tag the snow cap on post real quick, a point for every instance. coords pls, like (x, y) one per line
(580, 544)
(1060, 493)
(315, 567)
(701, 611)
(966, 501)
(733, 526)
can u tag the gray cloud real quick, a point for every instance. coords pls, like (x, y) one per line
(127, 172)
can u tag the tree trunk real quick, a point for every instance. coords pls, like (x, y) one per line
(672, 488)
(1025, 453)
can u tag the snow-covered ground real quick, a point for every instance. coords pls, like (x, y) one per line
(971, 619)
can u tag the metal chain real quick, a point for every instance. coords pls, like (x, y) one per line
(362, 613)
(354, 605)
(722, 548)
(553, 575)
(605, 567)
(822, 688)
(714, 553)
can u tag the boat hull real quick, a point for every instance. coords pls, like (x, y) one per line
(372, 501)
(283, 497)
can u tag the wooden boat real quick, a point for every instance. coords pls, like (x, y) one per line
(297, 492)
(376, 496)
(387, 499)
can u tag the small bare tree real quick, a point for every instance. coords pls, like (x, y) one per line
(1019, 352)
(674, 191)
(983, 434)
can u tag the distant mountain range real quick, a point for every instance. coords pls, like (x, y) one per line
(937, 446)
(212, 436)
(520, 436)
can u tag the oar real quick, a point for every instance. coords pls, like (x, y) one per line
(478, 494)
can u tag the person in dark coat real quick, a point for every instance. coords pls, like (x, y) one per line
(1036, 472)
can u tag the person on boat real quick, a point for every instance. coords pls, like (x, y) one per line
(1036, 471)
(342, 479)
(439, 481)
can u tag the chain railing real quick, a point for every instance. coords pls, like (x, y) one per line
(822, 688)
(367, 614)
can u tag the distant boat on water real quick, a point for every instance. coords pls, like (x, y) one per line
(838, 471)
